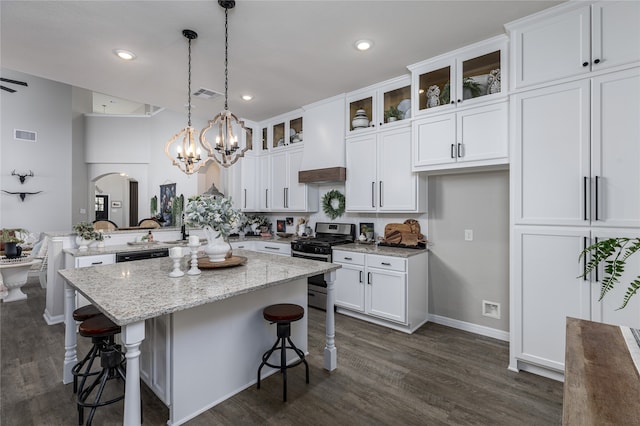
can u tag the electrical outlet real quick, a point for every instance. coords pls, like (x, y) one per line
(491, 309)
(468, 234)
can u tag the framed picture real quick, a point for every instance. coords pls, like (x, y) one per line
(167, 194)
(281, 226)
(366, 228)
(116, 204)
(289, 221)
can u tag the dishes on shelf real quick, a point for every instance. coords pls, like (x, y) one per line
(405, 108)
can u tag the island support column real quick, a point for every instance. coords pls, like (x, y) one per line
(330, 352)
(70, 338)
(132, 337)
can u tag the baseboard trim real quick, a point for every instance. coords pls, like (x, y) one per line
(472, 328)
(51, 320)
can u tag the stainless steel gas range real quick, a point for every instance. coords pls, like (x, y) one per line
(319, 248)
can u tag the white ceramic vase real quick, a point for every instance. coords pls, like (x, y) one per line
(216, 247)
(83, 244)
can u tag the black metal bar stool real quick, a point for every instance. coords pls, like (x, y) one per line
(283, 315)
(82, 314)
(102, 330)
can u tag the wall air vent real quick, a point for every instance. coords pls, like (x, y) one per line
(24, 135)
(203, 93)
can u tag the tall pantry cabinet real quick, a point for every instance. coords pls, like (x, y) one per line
(574, 175)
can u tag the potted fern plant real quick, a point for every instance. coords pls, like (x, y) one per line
(613, 253)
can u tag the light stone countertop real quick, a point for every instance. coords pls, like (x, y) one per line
(94, 250)
(134, 291)
(380, 250)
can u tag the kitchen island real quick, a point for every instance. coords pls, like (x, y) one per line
(217, 333)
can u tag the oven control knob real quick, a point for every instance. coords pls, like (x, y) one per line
(318, 250)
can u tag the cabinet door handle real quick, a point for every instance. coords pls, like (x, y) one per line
(380, 190)
(453, 102)
(596, 268)
(596, 204)
(373, 194)
(459, 150)
(584, 260)
(452, 152)
(96, 263)
(584, 195)
(385, 263)
(585, 64)
(348, 258)
(266, 198)
(368, 277)
(245, 198)
(271, 248)
(459, 101)
(360, 277)
(597, 61)
(284, 197)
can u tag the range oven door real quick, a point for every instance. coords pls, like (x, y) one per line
(317, 286)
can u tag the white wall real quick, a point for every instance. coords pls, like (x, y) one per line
(44, 107)
(463, 273)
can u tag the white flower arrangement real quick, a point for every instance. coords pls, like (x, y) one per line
(216, 213)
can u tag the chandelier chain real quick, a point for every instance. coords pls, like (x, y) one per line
(189, 89)
(226, 59)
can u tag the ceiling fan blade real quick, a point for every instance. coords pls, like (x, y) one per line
(8, 80)
(7, 89)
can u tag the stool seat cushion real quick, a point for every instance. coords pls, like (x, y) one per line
(98, 326)
(283, 312)
(85, 313)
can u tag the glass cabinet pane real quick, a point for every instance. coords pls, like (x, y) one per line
(361, 113)
(264, 139)
(278, 135)
(434, 88)
(481, 76)
(249, 138)
(295, 130)
(397, 104)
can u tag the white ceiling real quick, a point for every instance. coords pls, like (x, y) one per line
(285, 53)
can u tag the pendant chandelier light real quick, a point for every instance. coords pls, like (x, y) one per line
(225, 151)
(187, 157)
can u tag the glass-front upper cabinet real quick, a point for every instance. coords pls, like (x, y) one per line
(286, 130)
(377, 106)
(460, 78)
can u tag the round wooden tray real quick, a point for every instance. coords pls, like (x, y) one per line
(204, 263)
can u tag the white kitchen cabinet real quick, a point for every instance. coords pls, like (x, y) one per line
(287, 194)
(467, 76)
(574, 39)
(575, 162)
(273, 247)
(100, 259)
(472, 137)
(286, 130)
(550, 289)
(351, 276)
(379, 177)
(249, 195)
(377, 99)
(386, 290)
(155, 356)
(264, 183)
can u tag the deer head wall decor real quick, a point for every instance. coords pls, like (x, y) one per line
(22, 177)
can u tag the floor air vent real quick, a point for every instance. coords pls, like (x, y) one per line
(24, 135)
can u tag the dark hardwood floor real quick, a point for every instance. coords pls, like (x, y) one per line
(436, 376)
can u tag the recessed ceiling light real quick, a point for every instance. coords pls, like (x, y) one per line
(247, 97)
(124, 54)
(363, 44)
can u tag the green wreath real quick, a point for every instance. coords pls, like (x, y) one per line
(327, 204)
